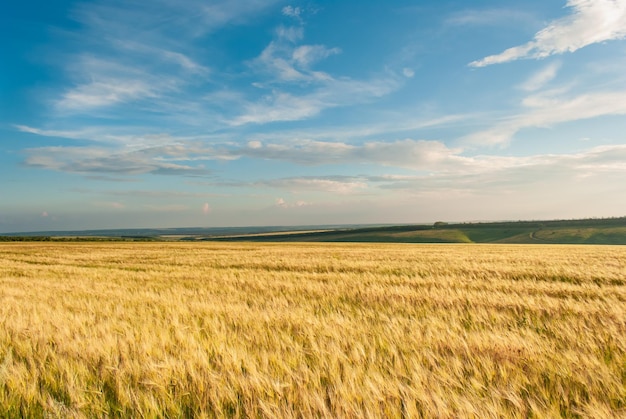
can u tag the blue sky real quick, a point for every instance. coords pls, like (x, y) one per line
(179, 113)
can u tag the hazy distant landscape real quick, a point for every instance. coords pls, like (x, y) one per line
(586, 231)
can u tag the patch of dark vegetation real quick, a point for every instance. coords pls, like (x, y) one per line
(25, 238)
(74, 239)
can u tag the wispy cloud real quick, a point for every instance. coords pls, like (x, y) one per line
(179, 158)
(481, 175)
(289, 33)
(103, 93)
(183, 18)
(591, 21)
(306, 55)
(281, 203)
(542, 77)
(102, 82)
(551, 108)
(161, 55)
(541, 187)
(156, 194)
(123, 137)
(405, 121)
(295, 89)
(412, 154)
(88, 160)
(283, 106)
(134, 52)
(490, 17)
(295, 13)
(332, 184)
(287, 62)
(291, 11)
(71, 134)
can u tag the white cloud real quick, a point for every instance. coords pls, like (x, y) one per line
(271, 61)
(132, 52)
(591, 21)
(185, 18)
(542, 77)
(280, 202)
(398, 123)
(306, 55)
(408, 72)
(288, 63)
(115, 136)
(492, 17)
(101, 82)
(292, 11)
(161, 54)
(206, 208)
(548, 109)
(291, 34)
(104, 93)
(282, 106)
(330, 185)
(103, 160)
(155, 194)
(496, 187)
(176, 156)
(597, 167)
(71, 134)
(411, 154)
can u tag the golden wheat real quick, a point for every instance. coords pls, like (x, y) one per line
(312, 330)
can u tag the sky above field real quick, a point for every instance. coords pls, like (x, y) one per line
(201, 113)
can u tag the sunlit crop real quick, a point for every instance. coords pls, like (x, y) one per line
(312, 330)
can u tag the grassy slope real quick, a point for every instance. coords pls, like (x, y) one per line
(588, 235)
(586, 231)
(418, 236)
(491, 235)
(474, 234)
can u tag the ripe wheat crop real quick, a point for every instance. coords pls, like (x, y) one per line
(312, 330)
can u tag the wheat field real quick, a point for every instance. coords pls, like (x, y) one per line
(312, 330)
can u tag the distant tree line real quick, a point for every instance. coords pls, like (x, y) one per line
(587, 222)
(72, 239)
(25, 238)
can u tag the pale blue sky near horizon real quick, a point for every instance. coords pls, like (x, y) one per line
(207, 113)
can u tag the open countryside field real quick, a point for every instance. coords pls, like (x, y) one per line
(589, 231)
(583, 231)
(312, 330)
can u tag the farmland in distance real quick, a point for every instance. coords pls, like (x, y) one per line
(312, 330)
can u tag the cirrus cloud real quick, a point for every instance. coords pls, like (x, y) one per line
(591, 22)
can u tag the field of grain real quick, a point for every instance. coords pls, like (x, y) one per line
(312, 330)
